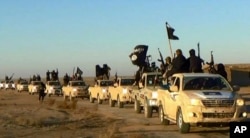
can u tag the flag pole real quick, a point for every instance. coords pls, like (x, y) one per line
(170, 48)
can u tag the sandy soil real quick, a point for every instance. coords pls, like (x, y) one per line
(22, 115)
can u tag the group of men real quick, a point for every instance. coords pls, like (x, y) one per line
(52, 75)
(181, 64)
(67, 78)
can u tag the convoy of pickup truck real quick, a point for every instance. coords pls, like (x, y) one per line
(187, 99)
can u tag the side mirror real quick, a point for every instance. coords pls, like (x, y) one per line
(236, 88)
(173, 88)
(115, 85)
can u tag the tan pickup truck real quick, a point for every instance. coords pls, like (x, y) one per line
(53, 88)
(119, 93)
(22, 86)
(34, 87)
(145, 96)
(99, 92)
(200, 99)
(75, 89)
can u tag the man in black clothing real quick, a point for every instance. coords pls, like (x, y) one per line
(179, 64)
(194, 62)
(42, 92)
(221, 70)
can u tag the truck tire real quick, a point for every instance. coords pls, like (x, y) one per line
(137, 106)
(161, 116)
(91, 99)
(119, 103)
(99, 101)
(111, 102)
(183, 127)
(148, 111)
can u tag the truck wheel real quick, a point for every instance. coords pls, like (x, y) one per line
(119, 103)
(111, 102)
(91, 99)
(99, 101)
(137, 106)
(161, 116)
(148, 111)
(183, 127)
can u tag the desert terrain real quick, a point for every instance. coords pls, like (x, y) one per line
(22, 115)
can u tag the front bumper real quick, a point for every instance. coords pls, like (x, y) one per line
(81, 94)
(203, 115)
(55, 92)
(24, 88)
(124, 97)
(104, 96)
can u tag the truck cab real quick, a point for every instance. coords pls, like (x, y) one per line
(200, 99)
(75, 89)
(120, 92)
(145, 95)
(100, 90)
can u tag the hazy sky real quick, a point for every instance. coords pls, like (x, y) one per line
(41, 35)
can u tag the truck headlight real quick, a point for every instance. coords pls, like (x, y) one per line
(124, 91)
(240, 102)
(154, 95)
(152, 102)
(74, 90)
(103, 90)
(195, 102)
(51, 88)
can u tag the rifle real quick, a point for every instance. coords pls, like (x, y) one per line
(211, 64)
(11, 76)
(161, 60)
(198, 45)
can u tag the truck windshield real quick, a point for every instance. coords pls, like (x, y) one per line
(127, 82)
(106, 83)
(24, 82)
(79, 83)
(56, 83)
(154, 80)
(36, 83)
(206, 83)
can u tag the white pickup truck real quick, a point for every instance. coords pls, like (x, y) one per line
(34, 87)
(100, 91)
(53, 88)
(145, 96)
(200, 99)
(119, 93)
(10, 85)
(75, 89)
(22, 86)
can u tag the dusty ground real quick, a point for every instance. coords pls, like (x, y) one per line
(21, 115)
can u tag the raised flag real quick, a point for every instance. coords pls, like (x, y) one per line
(79, 71)
(170, 31)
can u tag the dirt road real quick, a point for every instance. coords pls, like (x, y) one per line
(21, 115)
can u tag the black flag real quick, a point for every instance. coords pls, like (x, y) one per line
(79, 71)
(138, 57)
(170, 31)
